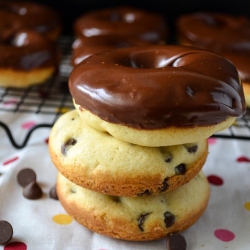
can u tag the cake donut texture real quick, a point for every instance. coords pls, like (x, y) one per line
(157, 95)
(124, 21)
(226, 34)
(27, 58)
(97, 161)
(135, 218)
(16, 15)
(84, 47)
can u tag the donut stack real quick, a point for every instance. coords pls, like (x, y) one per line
(130, 155)
(101, 30)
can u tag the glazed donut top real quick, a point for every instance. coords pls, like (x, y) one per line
(125, 21)
(154, 87)
(226, 34)
(21, 14)
(86, 46)
(27, 50)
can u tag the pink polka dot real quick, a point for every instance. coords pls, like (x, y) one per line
(215, 180)
(212, 140)
(10, 160)
(224, 235)
(10, 102)
(16, 246)
(28, 125)
(243, 159)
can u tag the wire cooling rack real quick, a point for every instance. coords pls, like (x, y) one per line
(53, 98)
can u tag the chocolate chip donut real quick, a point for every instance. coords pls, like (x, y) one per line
(97, 161)
(123, 21)
(27, 58)
(157, 95)
(135, 218)
(226, 34)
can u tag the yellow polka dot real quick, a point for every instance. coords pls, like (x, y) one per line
(247, 205)
(62, 219)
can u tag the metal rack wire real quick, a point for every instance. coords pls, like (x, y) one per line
(53, 98)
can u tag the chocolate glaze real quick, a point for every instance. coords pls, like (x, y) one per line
(27, 50)
(86, 46)
(126, 21)
(155, 87)
(30, 15)
(226, 34)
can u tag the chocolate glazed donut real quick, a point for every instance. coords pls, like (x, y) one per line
(226, 34)
(156, 87)
(34, 16)
(84, 47)
(124, 21)
(27, 58)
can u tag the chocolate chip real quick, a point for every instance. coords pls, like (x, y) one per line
(70, 142)
(176, 242)
(180, 169)
(146, 192)
(192, 149)
(169, 219)
(164, 186)
(141, 220)
(6, 232)
(32, 191)
(169, 158)
(26, 176)
(53, 193)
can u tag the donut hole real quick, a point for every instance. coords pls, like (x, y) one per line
(149, 59)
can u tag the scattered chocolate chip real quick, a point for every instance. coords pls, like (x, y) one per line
(141, 220)
(169, 158)
(53, 193)
(180, 169)
(176, 242)
(169, 219)
(164, 186)
(192, 149)
(32, 191)
(26, 176)
(70, 142)
(6, 232)
(146, 192)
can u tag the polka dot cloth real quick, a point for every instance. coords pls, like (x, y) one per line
(44, 224)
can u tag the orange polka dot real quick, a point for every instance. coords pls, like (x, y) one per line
(62, 219)
(247, 205)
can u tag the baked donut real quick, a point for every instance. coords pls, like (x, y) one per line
(119, 168)
(84, 47)
(135, 218)
(123, 21)
(27, 58)
(157, 95)
(34, 16)
(223, 33)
